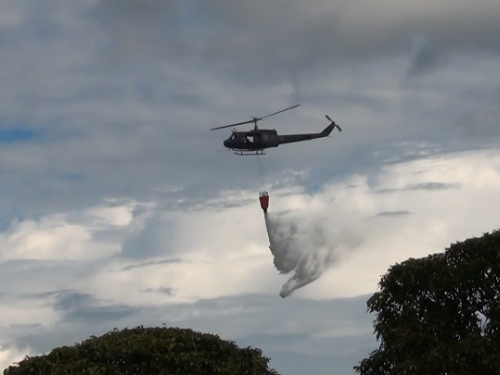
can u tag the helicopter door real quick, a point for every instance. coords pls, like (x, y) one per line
(257, 139)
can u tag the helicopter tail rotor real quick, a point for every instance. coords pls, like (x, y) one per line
(333, 123)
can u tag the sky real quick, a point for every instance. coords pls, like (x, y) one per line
(119, 207)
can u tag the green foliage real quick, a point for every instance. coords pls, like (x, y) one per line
(148, 351)
(439, 314)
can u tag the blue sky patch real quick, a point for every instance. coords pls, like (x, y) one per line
(16, 135)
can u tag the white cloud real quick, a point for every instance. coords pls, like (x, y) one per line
(66, 236)
(112, 216)
(11, 354)
(435, 219)
(25, 311)
(47, 240)
(410, 209)
(209, 252)
(117, 102)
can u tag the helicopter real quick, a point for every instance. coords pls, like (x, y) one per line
(254, 142)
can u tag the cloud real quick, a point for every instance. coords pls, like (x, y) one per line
(230, 272)
(126, 113)
(481, 125)
(430, 186)
(121, 126)
(393, 213)
(19, 311)
(132, 247)
(425, 60)
(146, 264)
(11, 354)
(76, 306)
(321, 34)
(163, 290)
(67, 236)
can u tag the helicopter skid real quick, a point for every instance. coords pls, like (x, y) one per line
(249, 153)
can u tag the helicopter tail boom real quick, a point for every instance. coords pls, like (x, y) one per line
(290, 138)
(326, 132)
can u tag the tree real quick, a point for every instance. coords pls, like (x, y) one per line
(439, 314)
(148, 351)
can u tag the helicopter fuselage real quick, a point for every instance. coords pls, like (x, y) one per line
(253, 140)
(260, 139)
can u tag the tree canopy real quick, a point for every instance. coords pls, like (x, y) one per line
(439, 314)
(158, 350)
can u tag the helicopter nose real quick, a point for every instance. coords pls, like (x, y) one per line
(226, 143)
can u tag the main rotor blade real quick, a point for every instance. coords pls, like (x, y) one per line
(283, 110)
(255, 119)
(238, 123)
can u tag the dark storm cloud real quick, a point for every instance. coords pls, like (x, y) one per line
(425, 60)
(76, 306)
(143, 30)
(277, 41)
